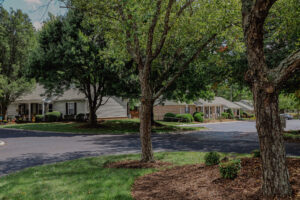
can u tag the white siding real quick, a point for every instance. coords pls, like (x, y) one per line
(12, 110)
(113, 108)
(61, 106)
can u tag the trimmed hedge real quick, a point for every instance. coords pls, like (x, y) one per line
(53, 116)
(80, 117)
(230, 169)
(69, 117)
(185, 117)
(212, 158)
(198, 117)
(170, 117)
(39, 118)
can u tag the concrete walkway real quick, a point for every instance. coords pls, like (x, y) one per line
(26, 148)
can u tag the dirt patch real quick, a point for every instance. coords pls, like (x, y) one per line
(135, 164)
(194, 182)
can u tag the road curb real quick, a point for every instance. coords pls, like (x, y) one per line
(2, 143)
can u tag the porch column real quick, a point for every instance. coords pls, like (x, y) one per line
(29, 112)
(43, 112)
(216, 112)
(208, 112)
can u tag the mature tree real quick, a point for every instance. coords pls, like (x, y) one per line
(266, 82)
(72, 54)
(17, 39)
(164, 38)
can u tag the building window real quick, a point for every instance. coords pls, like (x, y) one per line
(71, 108)
(187, 109)
(50, 109)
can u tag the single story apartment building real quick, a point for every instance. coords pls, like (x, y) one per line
(212, 109)
(71, 102)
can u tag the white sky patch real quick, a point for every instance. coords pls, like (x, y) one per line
(37, 25)
(33, 1)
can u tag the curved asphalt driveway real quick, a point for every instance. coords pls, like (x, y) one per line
(26, 148)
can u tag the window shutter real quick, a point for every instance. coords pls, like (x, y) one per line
(66, 108)
(75, 108)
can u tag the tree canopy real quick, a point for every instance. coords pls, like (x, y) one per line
(17, 41)
(71, 54)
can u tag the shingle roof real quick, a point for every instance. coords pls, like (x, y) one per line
(38, 92)
(217, 101)
(244, 106)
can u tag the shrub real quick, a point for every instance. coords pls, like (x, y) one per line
(52, 116)
(256, 153)
(39, 118)
(198, 117)
(225, 115)
(185, 117)
(69, 117)
(80, 117)
(230, 169)
(212, 158)
(170, 117)
(201, 113)
(230, 114)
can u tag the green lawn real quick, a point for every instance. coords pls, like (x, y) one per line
(125, 126)
(84, 179)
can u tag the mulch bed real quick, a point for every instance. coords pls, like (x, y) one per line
(194, 182)
(136, 164)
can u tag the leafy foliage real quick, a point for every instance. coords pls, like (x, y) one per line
(198, 117)
(230, 169)
(17, 40)
(212, 158)
(73, 54)
(170, 117)
(53, 116)
(185, 117)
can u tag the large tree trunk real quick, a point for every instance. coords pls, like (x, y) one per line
(92, 116)
(145, 115)
(275, 172)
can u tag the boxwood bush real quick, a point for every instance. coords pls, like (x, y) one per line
(212, 158)
(230, 169)
(53, 116)
(39, 118)
(185, 117)
(198, 117)
(170, 117)
(80, 117)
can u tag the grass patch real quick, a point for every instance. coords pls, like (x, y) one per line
(292, 136)
(126, 126)
(85, 178)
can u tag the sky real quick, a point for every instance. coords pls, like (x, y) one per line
(37, 10)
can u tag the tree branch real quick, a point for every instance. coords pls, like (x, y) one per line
(165, 32)
(184, 66)
(286, 68)
(151, 31)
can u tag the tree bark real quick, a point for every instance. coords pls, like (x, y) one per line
(92, 116)
(145, 114)
(270, 132)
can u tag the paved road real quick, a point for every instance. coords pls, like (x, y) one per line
(25, 148)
